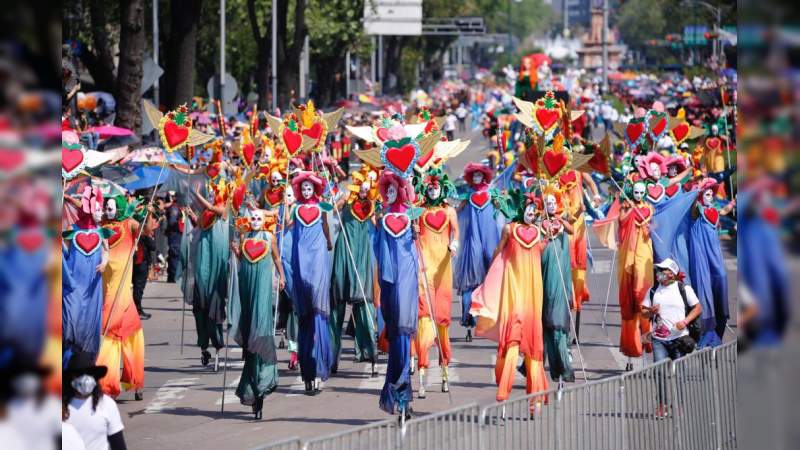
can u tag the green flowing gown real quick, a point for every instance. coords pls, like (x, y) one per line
(557, 281)
(252, 318)
(211, 256)
(345, 278)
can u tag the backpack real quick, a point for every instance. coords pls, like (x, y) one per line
(694, 326)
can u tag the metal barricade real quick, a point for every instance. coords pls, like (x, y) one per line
(456, 428)
(590, 416)
(693, 407)
(286, 444)
(648, 406)
(724, 381)
(383, 435)
(527, 422)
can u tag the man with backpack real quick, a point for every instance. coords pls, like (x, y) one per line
(674, 308)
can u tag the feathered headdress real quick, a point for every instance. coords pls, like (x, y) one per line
(513, 204)
(365, 174)
(432, 177)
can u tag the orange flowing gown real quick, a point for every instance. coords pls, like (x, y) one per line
(122, 347)
(635, 269)
(436, 226)
(571, 182)
(508, 308)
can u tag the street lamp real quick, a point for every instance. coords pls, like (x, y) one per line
(717, 10)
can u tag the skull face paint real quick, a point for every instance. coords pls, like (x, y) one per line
(306, 190)
(391, 194)
(111, 209)
(434, 191)
(708, 197)
(289, 196)
(672, 170)
(655, 170)
(529, 215)
(477, 177)
(363, 190)
(550, 204)
(276, 178)
(638, 191)
(256, 220)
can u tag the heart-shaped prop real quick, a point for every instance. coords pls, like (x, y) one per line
(292, 140)
(711, 215)
(362, 209)
(174, 128)
(274, 196)
(315, 133)
(634, 132)
(395, 224)
(546, 115)
(116, 233)
(238, 197)
(479, 199)
(400, 156)
(382, 134)
(642, 213)
(308, 214)
(254, 249)
(30, 241)
(87, 242)
(207, 219)
(657, 125)
(11, 159)
(568, 180)
(424, 159)
(554, 162)
(546, 118)
(175, 134)
(436, 220)
(73, 160)
(527, 236)
(713, 143)
(672, 190)
(248, 153)
(680, 132)
(655, 192)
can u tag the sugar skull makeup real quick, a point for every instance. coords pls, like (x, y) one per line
(530, 214)
(708, 197)
(655, 170)
(111, 209)
(477, 177)
(391, 194)
(276, 178)
(638, 191)
(363, 190)
(306, 189)
(256, 220)
(550, 204)
(434, 191)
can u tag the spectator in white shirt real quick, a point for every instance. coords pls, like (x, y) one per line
(450, 125)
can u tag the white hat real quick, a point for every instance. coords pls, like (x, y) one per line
(669, 264)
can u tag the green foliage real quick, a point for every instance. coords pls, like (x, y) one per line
(641, 20)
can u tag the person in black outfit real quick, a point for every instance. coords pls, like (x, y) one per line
(141, 269)
(174, 236)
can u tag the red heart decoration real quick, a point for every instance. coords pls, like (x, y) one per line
(207, 219)
(401, 157)
(238, 196)
(315, 132)
(436, 220)
(116, 233)
(254, 249)
(175, 134)
(30, 241)
(87, 241)
(429, 126)
(212, 170)
(680, 132)
(643, 214)
(479, 199)
(248, 153)
(672, 190)
(274, 196)
(383, 134)
(424, 159)
(526, 235)
(568, 178)
(712, 215)
(659, 127)
(528, 182)
(712, 143)
(655, 192)
(308, 214)
(11, 159)
(634, 131)
(292, 140)
(554, 162)
(70, 159)
(396, 223)
(361, 209)
(546, 118)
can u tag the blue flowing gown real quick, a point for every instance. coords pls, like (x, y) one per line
(709, 279)
(397, 273)
(479, 238)
(82, 308)
(311, 277)
(670, 230)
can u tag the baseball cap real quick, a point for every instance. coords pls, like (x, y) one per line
(669, 264)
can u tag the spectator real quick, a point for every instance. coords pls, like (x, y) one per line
(461, 114)
(174, 236)
(142, 259)
(450, 125)
(93, 414)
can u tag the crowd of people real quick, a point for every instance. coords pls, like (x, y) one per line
(274, 225)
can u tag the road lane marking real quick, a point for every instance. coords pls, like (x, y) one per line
(169, 393)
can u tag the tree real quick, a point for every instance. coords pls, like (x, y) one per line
(100, 62)
(263, 43)
(130, 70)
(289, 47)
(640, 21)
(180, 48)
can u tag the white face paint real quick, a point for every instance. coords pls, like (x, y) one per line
(638, 191)
(256, 220)
(477, 177)
(672, 170)
(289, 194)
(111, 209)
(306, 189)
(708, 197)
(637, 160)
(530, 214)
(276, 178)
(391, 194)
(655, 170)
(550, 204)
(364, 189)
(434, 191)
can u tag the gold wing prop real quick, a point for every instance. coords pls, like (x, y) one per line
(363, 133)
(198, 138)
(275, 123)
(526, 112)
(428, 142)
(154, 116)
(332, 118)
(370, 156)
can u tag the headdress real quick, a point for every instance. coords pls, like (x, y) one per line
(359, 178)
(472, 167)
(513, 204)
(434, 176)
(388, 177)
(652, 157)
(316, 181)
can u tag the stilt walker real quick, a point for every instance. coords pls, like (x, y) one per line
(122, 345)
(479, 238)
(438, 242)
(352, 277)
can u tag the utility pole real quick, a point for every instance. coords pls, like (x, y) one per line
(565, 11)
(274, 57)
(510, 42)
(347, 74)
(155, 49)
(605, 46)
(221, 54)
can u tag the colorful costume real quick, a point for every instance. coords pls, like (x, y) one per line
(123, 343)
(571, 182)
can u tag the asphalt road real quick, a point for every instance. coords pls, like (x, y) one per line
(182, 401)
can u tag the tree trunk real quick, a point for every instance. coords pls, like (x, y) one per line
(289, 55)
(130, 71)
(264, 57)
(180, 48)
(100, 62)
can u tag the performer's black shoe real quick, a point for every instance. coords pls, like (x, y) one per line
(569, 378)
(258, 406)
(335, 369)
(309, 387)
(521, 369)
(143, 315)
(138, 396)
(205, 358)
(469, 335)
(629, 367)
(374, 372)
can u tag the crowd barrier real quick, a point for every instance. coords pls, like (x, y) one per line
(689, 403)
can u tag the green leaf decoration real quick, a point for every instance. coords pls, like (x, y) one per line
(325, 206)
(179, 118)
(415, 212)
